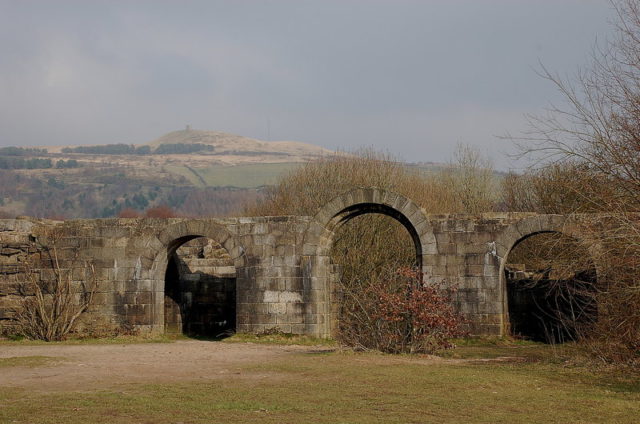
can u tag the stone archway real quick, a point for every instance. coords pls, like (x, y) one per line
(321, 313)
(178, 234)
(520, 232)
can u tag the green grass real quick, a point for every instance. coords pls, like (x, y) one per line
(349, 387)
(244, 176)
(493, 348)
(162, 338)
(27, 361)
(279, 339)
(267, 338)
(183, 171)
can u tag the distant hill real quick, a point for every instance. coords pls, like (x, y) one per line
(99, 181)
(226, 149)
(232, 144)
(195, 172)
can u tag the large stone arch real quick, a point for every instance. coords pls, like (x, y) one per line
(361, 201)
(176, 234)
(520, 231)
(319, 236)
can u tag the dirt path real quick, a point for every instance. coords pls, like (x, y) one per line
(87, 367)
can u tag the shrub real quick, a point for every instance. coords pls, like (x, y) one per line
(161, 211)
(399, 313)
(51, 308)
(128, 213)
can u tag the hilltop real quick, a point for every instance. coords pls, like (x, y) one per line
(231, 144)
(221, 149)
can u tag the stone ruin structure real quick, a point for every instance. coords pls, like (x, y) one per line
(254, 274)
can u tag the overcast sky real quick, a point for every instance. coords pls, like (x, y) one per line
(410, 77)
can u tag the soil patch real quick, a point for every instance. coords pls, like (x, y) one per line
(89, 367)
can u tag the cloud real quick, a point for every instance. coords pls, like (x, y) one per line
(412, 76)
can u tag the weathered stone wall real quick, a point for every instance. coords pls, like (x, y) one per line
(466, 254)
(129, 259)
(284, 278)
(16, 249)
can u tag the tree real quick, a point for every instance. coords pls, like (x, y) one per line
(596, 135)
(598, 128)
(472, 180)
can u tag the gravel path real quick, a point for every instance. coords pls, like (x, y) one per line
(87, 367)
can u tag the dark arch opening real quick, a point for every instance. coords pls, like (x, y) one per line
(354, 211)
(369, 242)
(200, 289)
(550, 282)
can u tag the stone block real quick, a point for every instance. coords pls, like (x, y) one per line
(448, 248)
(317, 330)
(113, 232)
(318, 296)
(278, 308)
(290, 319)
(293, 284)
(271, 296)
(242, 327)
(267, 318)
(290, 297)
(298, 329)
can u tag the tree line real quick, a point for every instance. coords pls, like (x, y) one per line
(16, 162)
(130, 149)
(21, 151)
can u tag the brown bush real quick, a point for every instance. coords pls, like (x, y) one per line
(556, 189)
(398, 313)
(129, 213)
(161, 211)
(304, 190)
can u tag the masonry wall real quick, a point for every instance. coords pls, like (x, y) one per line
(283, 278)
(16, 249)
(467, 256)
(128, 260)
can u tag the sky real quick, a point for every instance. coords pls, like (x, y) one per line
(413, 78)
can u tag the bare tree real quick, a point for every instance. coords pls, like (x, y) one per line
(596, 134)
(471, 178)
(599, 125)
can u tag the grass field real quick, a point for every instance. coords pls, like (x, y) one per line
(241, 176)
(245, 176)
(183, 171)
(26, 361)
(526, 384)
